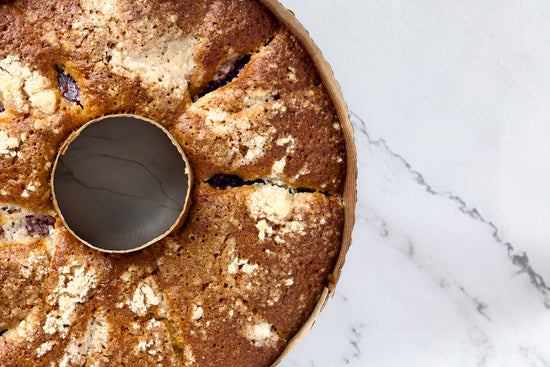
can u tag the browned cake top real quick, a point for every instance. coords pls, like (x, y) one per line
(244, 100)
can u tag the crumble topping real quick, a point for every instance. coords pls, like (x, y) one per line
(264, 229)
(144, 345)
(243, 265)
(151, 346)
(153, 323)
(188, 354)
(272, 205)
(138, 49)
(261, 334)
(25, 330)
(19, 87)
(288, 140)
(72, 355)
(255, 148)
(143, 298)
(168, 60)
(105, 7)
(74, 284)
(147, 295)
(259, 97)
(278, 167)
(245, 134)
(197, 312)
(90, 342)
(302, 172)
(8, 145)
(34, 262)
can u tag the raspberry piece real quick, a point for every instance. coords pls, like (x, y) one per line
(67, 86)
(38, 225)
(229, 71)
(222, 181)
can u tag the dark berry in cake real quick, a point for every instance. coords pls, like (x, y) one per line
(67, 86)
(222, 181)
(227, 73)
(38, 225)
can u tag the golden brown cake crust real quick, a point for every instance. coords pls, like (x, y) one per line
(243, 98)
(233, 285)
(230, 28)
(247, 261)
(274, 122)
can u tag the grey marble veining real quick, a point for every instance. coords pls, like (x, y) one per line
(121, 183)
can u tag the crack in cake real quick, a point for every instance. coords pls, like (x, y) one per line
(246, 103)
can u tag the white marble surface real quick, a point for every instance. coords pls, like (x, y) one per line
(451, 106)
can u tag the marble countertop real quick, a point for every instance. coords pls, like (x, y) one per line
(451, 251)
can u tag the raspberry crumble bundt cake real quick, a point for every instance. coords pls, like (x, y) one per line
(266, 143)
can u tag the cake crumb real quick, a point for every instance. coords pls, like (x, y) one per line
(243, 265)
(292, 77)
(272, 205)
(270, 202)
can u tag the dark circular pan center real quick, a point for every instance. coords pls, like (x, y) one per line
(121, 183)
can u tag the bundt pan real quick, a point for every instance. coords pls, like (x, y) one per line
(257, 250)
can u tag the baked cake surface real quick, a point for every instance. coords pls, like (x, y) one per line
(244, 100)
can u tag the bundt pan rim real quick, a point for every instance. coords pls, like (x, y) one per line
(288, 20)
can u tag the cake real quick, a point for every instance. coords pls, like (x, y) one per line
(266, 141)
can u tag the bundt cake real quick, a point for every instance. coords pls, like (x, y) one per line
(267, 145)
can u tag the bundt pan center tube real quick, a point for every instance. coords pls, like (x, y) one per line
(121, 183)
